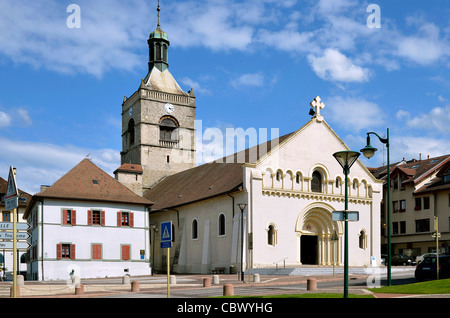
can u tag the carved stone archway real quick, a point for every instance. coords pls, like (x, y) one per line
(315, 220)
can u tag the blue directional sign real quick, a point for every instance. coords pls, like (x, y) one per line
(166, 234)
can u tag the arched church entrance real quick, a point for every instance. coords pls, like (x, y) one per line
(315, 230)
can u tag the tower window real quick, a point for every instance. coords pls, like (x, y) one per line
(167, 132)
(130, 131)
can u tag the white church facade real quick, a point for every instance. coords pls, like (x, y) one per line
(290, 192)
(290, 187)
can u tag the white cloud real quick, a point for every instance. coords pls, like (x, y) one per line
(196, 86)
(424, 48)
(250, 79)
(5, 120)
(42, 163)
(438, 119)
(335, 66)
(354, 114)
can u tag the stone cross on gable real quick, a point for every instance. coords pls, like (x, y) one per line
(318, 105)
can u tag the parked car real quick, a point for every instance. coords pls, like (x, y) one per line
(427, 268)
(420, 258)
(399, 259)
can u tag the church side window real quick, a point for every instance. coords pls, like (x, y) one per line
(362, 240)
(221, 224)
(194, 229)
(316, 182)
(271, 235)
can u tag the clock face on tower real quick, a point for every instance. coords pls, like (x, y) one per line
(169, 108)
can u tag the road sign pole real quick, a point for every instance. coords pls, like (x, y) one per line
(168, 272)
(15, 247)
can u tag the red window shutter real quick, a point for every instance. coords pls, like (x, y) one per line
(125, 252)
(64, 216)
(96, 251)
(131, 219)
(72, 251)
(102, 218)
(119, 218)
(58, 251)
(74, 217)
(89, 218)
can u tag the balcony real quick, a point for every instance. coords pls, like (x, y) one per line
(168, 143)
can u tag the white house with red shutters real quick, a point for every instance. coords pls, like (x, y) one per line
(89, 225)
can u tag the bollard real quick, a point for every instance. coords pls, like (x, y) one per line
(228, 290)
(173, 280)
(135, 286)
(215, 279)
(11, 291)
(206, 282)
(79, 289)
(311, 284)
(20, 280)
(256, 278)
(126, 279)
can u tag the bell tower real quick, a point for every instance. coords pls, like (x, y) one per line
(158, 121)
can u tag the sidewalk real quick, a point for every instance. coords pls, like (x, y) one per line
(188, 284)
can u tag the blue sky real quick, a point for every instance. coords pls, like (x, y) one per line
(252, 64)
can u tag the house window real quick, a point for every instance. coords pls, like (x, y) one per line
(316, 182)
(194, 229)
(6, 216)
(69, 217)
(96, 251)
(402, 227)
(426, 203)
(65, 251)
(395, 206)
(394, 228)
(402, 206)
(125, 219)
(418, 206)
(96, 217)
(422, 225)
(221, 224)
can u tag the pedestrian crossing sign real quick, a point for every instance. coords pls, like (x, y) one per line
(166, 233)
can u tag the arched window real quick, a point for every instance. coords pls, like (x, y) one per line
(167, 128)
(158, 51)
(221, 224)
(194, 229)
(362, 240)
(130, 130)
(298, 177)
(316, 182)
(271, 235)
(279, 175)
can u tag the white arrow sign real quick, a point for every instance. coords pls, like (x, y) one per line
(9, 226)
(9, 245)
(9, 235)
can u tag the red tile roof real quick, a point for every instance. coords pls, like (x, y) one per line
(88, 182)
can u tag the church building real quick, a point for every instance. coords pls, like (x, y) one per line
(270, 204)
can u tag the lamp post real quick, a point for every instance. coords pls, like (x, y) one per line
(368, 151)
(155, 229)
(346, 159)
(242, 207)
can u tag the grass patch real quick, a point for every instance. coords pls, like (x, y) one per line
(441, 286)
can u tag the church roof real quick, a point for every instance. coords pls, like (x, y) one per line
(88, 182)
(163, 81)
(206, 181)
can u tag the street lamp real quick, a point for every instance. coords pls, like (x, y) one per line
(368, 151)
(242, 207)
(346, 159)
